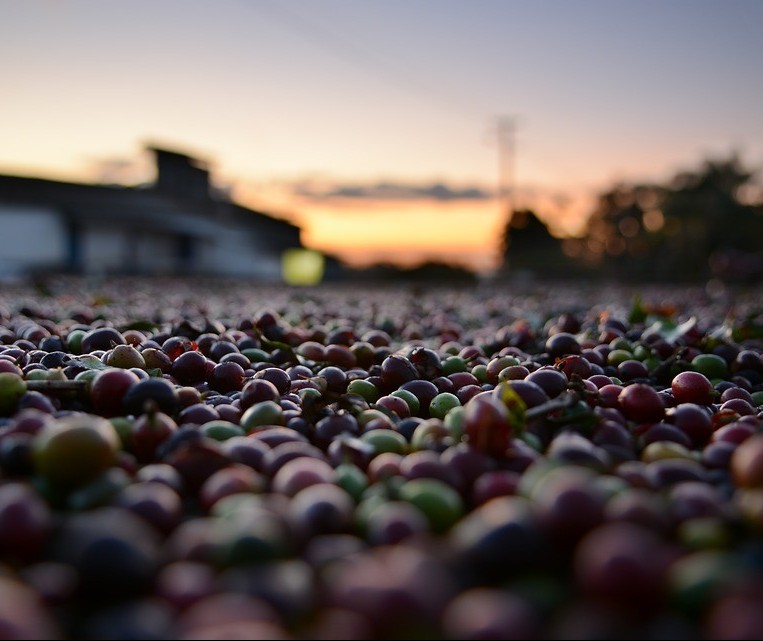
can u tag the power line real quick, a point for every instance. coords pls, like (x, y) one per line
(347, 51)
(505, 131)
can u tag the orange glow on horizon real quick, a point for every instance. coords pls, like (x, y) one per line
(403, 225)
(405, 233)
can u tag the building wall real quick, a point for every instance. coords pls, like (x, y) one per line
(33, 238)
(39, 238)
(106, 251)
(118, 250)
(233, 252)
(158, 253)
(226, 252)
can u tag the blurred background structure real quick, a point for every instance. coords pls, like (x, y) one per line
(439, 139)
(178, 227)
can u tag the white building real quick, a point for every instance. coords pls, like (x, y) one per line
(175, 227)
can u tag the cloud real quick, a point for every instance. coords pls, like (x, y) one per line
(391, 191)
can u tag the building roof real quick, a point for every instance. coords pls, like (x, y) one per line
(152, 207)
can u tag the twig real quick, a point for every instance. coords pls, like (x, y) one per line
(560, 402)
(56, 386)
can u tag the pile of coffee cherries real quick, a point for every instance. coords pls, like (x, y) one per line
(213, 460)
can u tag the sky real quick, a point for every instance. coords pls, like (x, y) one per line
(376, 125)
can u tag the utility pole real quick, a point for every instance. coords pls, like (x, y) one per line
(506, 139)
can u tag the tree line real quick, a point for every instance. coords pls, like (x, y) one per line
(700, 224)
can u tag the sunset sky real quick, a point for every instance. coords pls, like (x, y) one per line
(372, 123)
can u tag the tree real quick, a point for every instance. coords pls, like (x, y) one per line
(528, 247)
(678, 231)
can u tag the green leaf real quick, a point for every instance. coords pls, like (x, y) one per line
(141, 326)
(747, 331)
(514, 403)
(270, 346)
(681, 330)
(637, 313)
(354, 403)
(579, 415)
(88, 362)
(670, 331)
(661, 326)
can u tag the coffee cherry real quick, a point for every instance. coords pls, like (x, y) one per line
(641, 403)
(692, 387)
